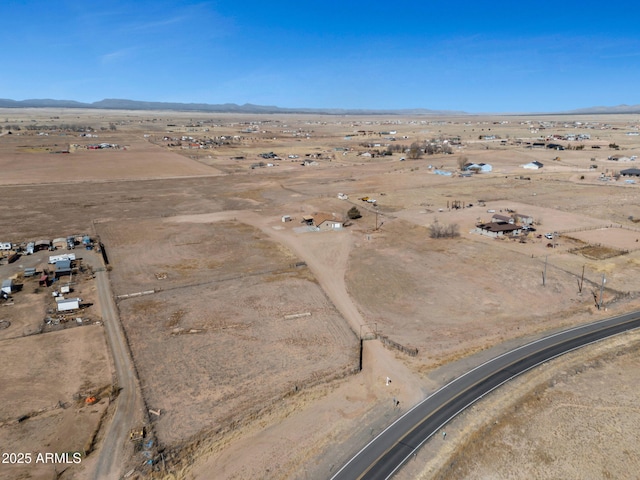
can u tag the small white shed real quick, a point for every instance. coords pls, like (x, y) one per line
(535, 165)
(69, 304)
(7, 286)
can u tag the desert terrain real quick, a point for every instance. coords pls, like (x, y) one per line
(244, 323)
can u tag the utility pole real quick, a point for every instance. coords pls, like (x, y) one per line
(544, 274)
(378, 225)
(604, 280)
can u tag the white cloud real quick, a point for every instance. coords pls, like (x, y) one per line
(117, 55)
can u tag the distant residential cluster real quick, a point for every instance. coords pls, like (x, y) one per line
(95, 146)
(255, 257)
(43, 275)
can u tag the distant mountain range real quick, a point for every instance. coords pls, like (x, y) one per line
(617, 109)
(121, 104)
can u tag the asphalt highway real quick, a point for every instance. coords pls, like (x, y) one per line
(386, 453)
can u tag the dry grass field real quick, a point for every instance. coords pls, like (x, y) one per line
(45, 380)
(243, 323)
(574, 417)
(582, 426)
(247, 333)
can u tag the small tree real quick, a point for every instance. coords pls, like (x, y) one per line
(462, 161)
(452, 231)
(353, 213)
(436, 230)
(415, 151)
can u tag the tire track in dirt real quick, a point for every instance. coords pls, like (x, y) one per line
(326, 259)
(111, 455)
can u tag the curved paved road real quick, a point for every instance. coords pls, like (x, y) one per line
(386, 453)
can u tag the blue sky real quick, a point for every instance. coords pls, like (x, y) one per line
(473, 56)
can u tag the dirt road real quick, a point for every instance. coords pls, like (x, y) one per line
(110, 460)
(327, 259)
(326, 255)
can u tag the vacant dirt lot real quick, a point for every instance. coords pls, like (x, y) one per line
(253, 325)
(28, 160)
(243, 324)
(45, 380)
(393, 282)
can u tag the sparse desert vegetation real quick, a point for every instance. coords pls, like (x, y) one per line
(249, 254)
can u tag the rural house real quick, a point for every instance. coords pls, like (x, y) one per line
(497, 218)
(523, 219)
(477, 167)
(495, 229)
(535, 165)
(63, 267)
(325, 222)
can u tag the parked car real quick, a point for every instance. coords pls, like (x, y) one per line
(549, 236)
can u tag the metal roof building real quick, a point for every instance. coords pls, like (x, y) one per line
(69, 304)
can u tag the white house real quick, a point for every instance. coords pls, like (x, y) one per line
(477, 167)
(495, 230)
(535, 165)
(523, 218)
